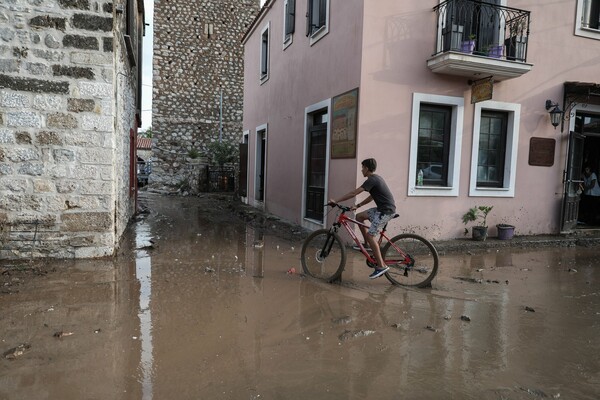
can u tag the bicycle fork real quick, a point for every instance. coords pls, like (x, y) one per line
(328, 243)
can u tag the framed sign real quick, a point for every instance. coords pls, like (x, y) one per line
(481, 90)
(541, 151)
(343, 124)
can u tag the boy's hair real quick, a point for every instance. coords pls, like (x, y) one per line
(370, 163)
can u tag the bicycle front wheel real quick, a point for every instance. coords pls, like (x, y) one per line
(412, 259)
(323, 255)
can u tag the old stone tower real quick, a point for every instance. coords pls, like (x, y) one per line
(198, 57)
(69, 112)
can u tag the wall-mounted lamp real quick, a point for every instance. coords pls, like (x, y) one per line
(556, 114)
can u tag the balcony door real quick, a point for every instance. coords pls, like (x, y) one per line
(473, 18)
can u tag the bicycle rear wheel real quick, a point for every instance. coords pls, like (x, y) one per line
(323, 255)
(412, 259)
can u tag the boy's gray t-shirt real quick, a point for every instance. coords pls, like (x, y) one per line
(381, 194)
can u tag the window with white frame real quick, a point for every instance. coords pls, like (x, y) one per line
(436, 137)
(317, 20)
(289, 21)
(495, 147)
(264, 54)
(587, 22)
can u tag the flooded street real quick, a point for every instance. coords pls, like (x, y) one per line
(200, 305)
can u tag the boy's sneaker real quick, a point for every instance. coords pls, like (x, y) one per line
(378, 272)
(365, 245)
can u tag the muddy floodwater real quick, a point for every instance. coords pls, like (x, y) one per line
(200, 304)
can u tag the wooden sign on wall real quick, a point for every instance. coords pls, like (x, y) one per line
(541, 151)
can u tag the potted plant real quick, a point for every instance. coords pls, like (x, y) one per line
(479, 232)
(505, 231)
(516, 44)
(495, 51)
(467, 46)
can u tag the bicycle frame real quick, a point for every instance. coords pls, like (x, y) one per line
(344, 220)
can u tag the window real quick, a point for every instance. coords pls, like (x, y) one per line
(492, 149)
(434, 144)
(495, 146)
(588, 19)
(317, 20)
(264, 54)
(289, 21)
(436, 136)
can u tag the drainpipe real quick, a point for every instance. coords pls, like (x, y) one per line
(221, 115)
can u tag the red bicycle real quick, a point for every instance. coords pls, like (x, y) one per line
(413, 260)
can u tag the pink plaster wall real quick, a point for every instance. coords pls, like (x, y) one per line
(392, 70)
(301, 75)
(389, 69)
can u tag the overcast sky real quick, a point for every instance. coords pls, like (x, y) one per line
(147, 65)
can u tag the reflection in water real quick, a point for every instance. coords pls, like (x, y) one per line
(143, 273)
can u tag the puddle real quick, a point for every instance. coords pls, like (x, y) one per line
(199, 305)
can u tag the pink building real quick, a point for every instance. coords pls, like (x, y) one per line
(456, 90)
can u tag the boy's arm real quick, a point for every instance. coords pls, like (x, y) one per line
(348, 195)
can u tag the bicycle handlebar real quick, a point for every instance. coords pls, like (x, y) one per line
(341, 207)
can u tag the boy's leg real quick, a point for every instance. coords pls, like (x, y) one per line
(370, 233)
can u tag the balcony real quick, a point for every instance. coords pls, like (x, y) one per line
(478, 40)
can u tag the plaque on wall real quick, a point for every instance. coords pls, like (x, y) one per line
(482, 89)
(343, 128)
(541, 151)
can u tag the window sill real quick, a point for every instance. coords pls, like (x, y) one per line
(319, 34)
(588, 33)
(287, 41)
(312, 224)
(446, 191)
(492, 192)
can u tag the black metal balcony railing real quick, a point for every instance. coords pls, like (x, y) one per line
(480, 28)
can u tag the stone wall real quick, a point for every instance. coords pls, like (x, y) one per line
(197, 56)
(67, 106)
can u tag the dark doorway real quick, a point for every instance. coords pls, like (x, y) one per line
(315, 165)
(261, 154)
(589, 207)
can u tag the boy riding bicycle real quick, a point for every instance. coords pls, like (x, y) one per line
(377, 216)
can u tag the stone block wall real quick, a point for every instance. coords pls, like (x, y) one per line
(197, 56)
(67, 106)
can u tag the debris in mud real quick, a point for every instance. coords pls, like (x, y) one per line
(97, 330)
(529, 309)
(61, 334)
(492, 281)
(209, 269)
(291, 271)
(572, 270)
(465, 318)
(470, 280)
(15, 352)
(448, 317)
(259, 244)
(431, 328)
(479, 269)
(535, 392)
(342, 320)
(347, 335)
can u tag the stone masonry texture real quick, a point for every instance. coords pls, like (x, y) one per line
(197, 56)
(68, 111)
